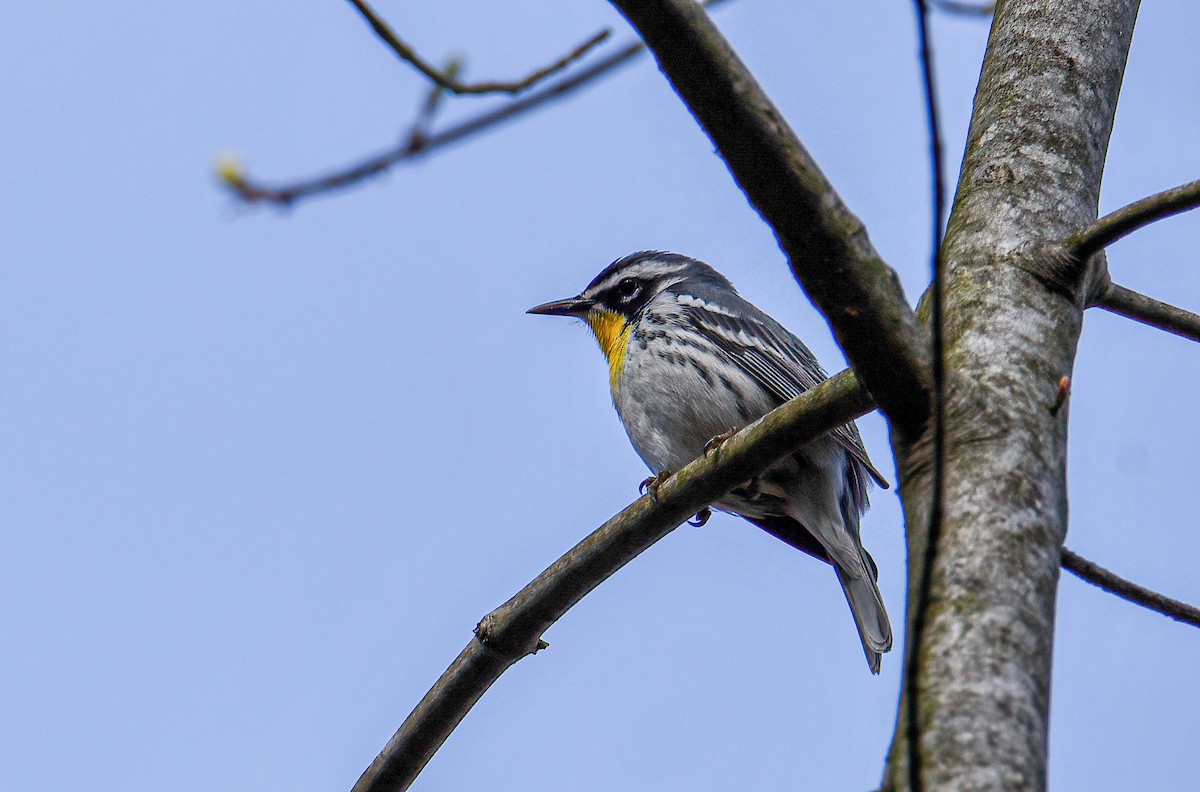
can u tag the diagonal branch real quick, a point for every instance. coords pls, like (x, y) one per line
(514, 629)
(827, 246)
(1147, 310)
(1128, 590)
(448, 80)
(1125, 221)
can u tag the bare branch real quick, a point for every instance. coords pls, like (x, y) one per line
(1124, 221)
(450, 81)
(963, 9)
(419, 132)
(1150, 311)
(233, 175)
(287, 194)
(514, 629)
(827, 246)
(1127, 590)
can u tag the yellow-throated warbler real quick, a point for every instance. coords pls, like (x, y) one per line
(689, 360)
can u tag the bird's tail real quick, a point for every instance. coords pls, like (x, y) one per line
(866, 604)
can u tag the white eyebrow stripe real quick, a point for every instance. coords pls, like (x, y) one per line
(648, 269)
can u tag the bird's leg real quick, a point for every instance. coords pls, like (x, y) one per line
(701, 517)
(650, 486)
(718, 441)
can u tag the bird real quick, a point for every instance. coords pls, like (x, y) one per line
(690, 361)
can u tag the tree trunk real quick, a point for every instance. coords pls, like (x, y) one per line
(1014, 304)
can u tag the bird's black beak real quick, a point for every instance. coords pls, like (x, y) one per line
(576, 306)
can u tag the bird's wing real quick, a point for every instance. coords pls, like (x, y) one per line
(770, 353)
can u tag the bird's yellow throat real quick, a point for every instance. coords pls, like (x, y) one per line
(612, 331)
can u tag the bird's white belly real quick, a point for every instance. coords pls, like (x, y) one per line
(671, 407)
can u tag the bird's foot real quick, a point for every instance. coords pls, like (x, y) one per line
(701, 517)
(718, 441)
(650, 486)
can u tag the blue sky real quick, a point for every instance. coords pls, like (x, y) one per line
(262, 471)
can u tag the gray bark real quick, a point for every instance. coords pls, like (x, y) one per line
(1014, 304)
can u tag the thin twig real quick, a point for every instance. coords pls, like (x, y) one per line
(250, 191)
(1128, 590)
(1150, 311)
(348, 176)
(964, 9)
(450, 81)
(514, 630)
(1124, 221)
(920, 602)
(418, 133)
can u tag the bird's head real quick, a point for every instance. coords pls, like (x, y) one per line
(615, 301)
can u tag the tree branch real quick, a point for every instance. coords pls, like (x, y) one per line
(348, 176)
(418, 133)
(1125, 221)
(1147, 310)
(514, 630)
(1128, 590)
(233, 175)
(826, 245)
(448, 80)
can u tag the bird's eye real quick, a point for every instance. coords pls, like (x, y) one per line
(627, 288)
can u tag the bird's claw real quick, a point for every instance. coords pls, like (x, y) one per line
(718, 441)
(650, 486)
(701, 517)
